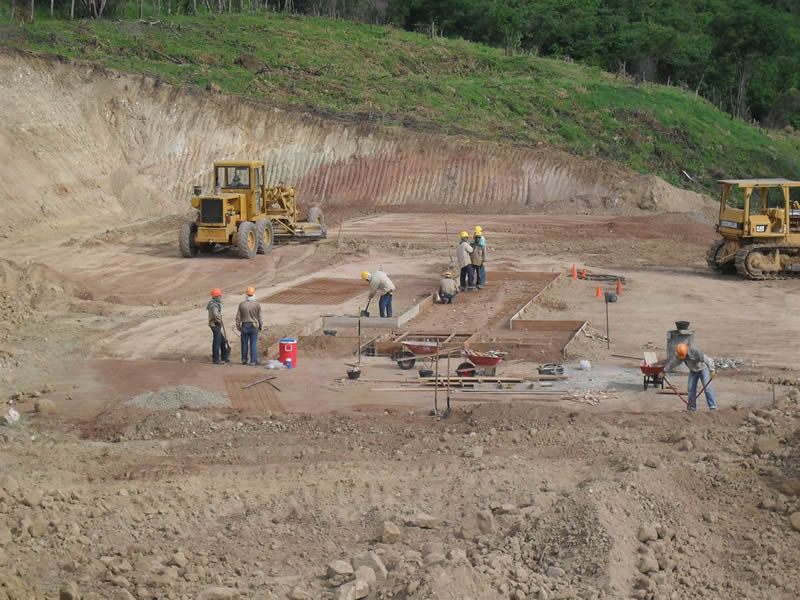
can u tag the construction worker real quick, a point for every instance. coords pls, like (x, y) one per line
(447, 288)
(478, 257)
(219, 344)
(701, 368)
(463, 252)
(380, 282)
(248, 323)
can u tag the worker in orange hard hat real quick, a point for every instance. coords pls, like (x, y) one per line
(463, 253)
(701, 368)
(220, 348)
(248, 323)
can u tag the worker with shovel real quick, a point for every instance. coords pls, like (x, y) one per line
(463, 252)
(380, 282)
(701, 368)
(248, 323)
(220, 348)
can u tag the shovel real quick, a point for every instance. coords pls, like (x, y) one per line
(365, 312)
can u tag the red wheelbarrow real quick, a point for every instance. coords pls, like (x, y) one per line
(488, 360)
(416, 349)
(653, 374)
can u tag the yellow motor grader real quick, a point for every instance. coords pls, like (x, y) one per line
(759, 221)
(246, 214)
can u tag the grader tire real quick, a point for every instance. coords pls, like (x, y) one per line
(186, 240)
(247, 244)
(264, 235)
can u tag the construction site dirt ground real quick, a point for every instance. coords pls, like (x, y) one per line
(623, 495)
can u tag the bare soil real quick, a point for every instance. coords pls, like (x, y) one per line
(593, 488)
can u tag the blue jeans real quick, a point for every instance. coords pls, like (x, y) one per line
(467, 277)
(446, 298)
(385, 305)
(480, 273)
(250, 340)
(219, 345)
(705, 377)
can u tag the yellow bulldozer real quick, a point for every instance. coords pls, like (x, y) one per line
(759, 221)
(245, 214)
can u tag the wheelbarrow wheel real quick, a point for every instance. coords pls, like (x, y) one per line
(465, 369)
(406, 361)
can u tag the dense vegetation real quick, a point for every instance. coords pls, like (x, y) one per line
(389, 76)
(742, 55)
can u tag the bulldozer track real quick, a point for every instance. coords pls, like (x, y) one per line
(711, 258)
(758, 274)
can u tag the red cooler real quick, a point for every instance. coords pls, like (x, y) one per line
(288, 352)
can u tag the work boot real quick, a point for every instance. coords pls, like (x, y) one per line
(219, 362)
(254, 364)
(244, 362)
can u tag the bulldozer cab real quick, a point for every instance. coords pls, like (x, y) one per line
(759, 208)
(242, 177)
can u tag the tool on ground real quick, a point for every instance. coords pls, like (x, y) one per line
(355, 372)
(551, 369)
(759, 222)
(365, 312)
(447, 411)
(449, 247)
(245, 214)
(257, 381)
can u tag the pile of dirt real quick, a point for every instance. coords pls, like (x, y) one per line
(177, 397)
(28, 292)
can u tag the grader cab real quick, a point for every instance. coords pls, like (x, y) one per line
(245, 214)
(759, 221)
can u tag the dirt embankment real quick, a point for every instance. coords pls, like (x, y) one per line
(80, 142)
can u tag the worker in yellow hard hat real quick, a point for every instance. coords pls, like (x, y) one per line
(701, 368)
(447, 288)
(248, 323)
(380, 282)
(463, 253)
(478, 257)
(220, 348)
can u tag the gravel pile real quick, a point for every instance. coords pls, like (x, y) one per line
(183, 395)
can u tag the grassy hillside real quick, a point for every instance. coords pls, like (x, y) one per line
(390, 76)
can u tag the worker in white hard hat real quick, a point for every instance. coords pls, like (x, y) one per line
(463, 252)
(447, 288)
(380, 282)
(478, 257)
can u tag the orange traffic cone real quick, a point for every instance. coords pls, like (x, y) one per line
(598, 293)
(574, 272)
(619, 287)
(583, 274)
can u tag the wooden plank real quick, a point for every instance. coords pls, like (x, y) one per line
(529, 302)
(572, 338)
